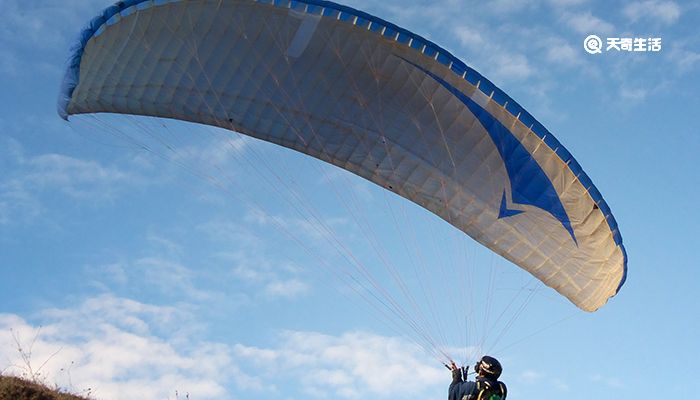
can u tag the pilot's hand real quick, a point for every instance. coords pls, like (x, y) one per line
(456, 372)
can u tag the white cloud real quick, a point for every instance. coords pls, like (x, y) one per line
(115, 272)
(167, 245)
(252, 272)
(633, 94)
(511, 67)
(271, 278)
(27, 179)
(685, 60)
(344, 181)
(161, 270)
(162, 275)
(17, 203)
(223, 147)
(109, 345)
(229, 233)
(408, 14)
(315, 228)
(586, 23)
(561, 385)
(611, 381)
(9, 64)
(170, 277)
(566, 3)
(47, 27)
(352, 365)
(468, 36)
(74, 177)
(495, 58)
(531, 376)
(46, 23)
(288, 288)
(253, 263)
(510, 6)
(666, 12)
(123, 349)
(563, 54)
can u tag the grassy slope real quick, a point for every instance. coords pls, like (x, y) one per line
(12, 388)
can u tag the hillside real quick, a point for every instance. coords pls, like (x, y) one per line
(13, 388)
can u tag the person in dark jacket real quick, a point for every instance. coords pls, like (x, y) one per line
(485, 387)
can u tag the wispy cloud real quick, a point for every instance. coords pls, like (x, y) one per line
(510, 6)
(167, 245)
(567, 3)
(163, 275)
(28, 180)
(160, 266)
(405, 13)
(269, 277)
(17, 204)
(610, 381)
(587, 23)
(254, 264)
(497, 59)
(9, 64)
(58, 172)
(288, 288)
(74, 177)
(560, 52)
(512, 66)
(46, 23)
(532, 377)
(229, 233)
(343, 181)
(634, 94)
(170, 277)
(684, 60)
(561, 385)
(666, 12)
(233, 257)
(468, 36)
(218, 151)
(48, 27)
(317, 228)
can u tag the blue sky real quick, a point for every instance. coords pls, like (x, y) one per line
(134, 278)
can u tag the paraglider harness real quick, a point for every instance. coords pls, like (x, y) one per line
(488, 390)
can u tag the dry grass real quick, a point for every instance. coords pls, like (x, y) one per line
(14, 388)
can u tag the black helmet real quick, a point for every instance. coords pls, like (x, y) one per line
(488, 367)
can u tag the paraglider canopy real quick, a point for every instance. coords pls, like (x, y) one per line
(367, 96)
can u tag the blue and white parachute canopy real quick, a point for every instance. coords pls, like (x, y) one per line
(367, 96)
